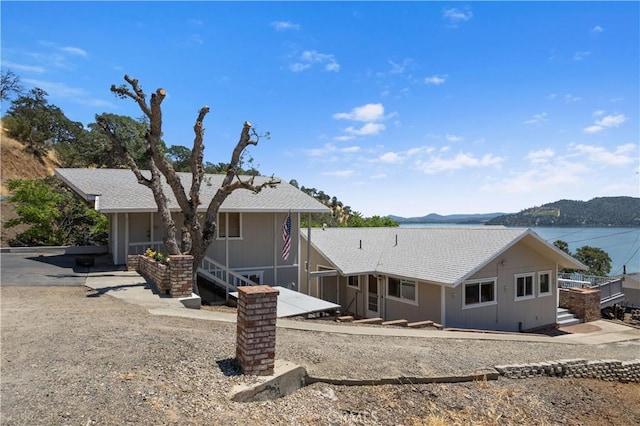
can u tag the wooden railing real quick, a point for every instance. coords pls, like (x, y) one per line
(223, 277)
(611, 291)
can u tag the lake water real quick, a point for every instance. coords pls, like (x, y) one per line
(622, 244)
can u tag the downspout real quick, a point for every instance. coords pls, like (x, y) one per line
(308, 253)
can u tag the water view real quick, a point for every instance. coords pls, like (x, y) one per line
(622, 244)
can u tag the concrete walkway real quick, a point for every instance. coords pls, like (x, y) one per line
(130, 287)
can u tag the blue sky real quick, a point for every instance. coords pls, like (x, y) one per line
(402, 108)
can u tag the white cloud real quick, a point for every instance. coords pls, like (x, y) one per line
(552, 96)
(580, 55)
(569, 98)
(366, 130)
(196, 22)
(23, 68)
(400, 68)
(297, 67)
(622, 155)
(74, 51)
(453, 138)
(57, 89)
(311, 57)
(597, 29)
(436, 80)
(454, 15)
(367, 112)
(605, 122)
(541, 156)
(343, 138)
(284, 25)
(391, 158)
(537, 119)
(598, 113)
(339, 173)
(350, 149)
(462, 160)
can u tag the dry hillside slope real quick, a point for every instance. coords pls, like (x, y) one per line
(16, 163)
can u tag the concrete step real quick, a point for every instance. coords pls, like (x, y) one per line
(399, 323)
(420, 324)
(564, 318)
(368, 321)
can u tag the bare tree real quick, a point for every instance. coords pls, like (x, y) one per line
(9, 83)
(197, 231)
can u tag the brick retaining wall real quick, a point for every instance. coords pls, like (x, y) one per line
(174, 279)
(611, 370)
(584, 302)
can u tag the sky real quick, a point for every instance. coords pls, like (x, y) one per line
(402, 108)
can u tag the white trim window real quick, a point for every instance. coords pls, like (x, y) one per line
(479, 293)
(402, 290)
(234, 221)
(353, 281)
(523, 286)
(544, 283)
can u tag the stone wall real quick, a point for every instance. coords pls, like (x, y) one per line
(584, 302)
(611, 370)
(256, 329)
(174, 279)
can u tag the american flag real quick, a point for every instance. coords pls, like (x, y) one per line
(286, 237)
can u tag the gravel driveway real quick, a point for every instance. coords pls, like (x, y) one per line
(74, 356)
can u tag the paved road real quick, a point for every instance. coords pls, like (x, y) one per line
(41, 269)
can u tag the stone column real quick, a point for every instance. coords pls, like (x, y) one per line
(256, 329)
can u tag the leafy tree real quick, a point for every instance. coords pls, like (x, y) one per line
(41, 126)
(93, 148)
(180, 156)
(9, 84)
(55, 214)
(198, 231)
(562, 245)
(596, 259)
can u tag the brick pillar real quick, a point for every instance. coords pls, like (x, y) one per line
(133, 262)
(180, 275)
(256, 329)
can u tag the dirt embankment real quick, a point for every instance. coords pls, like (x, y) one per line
(17, 163)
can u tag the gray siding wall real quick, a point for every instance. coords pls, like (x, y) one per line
(428, 307)
(507, 314)
(259, 249)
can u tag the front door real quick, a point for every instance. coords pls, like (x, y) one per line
(373, 297)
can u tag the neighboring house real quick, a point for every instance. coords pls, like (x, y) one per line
(631, 288)
(249, 237)
(492, 278)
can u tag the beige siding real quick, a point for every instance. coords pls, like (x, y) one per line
(507, 314)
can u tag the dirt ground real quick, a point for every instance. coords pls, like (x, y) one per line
(72, 356)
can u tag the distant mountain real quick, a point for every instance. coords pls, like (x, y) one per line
(603, 211)
(452, 218)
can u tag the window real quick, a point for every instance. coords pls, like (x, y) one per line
(479, 293)
(403, 290)
(544, 283)
(234, 225)
(354, 281)
(524, 286)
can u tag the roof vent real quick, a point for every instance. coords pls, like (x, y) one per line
(360, 244)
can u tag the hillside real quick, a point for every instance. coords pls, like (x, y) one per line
(15, 163)
(602, 211)
(452, 218)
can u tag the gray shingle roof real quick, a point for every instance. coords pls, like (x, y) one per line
(446, 256)
(119, 191)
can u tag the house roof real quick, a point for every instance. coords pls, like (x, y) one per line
(118, 191)
(446, 256)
